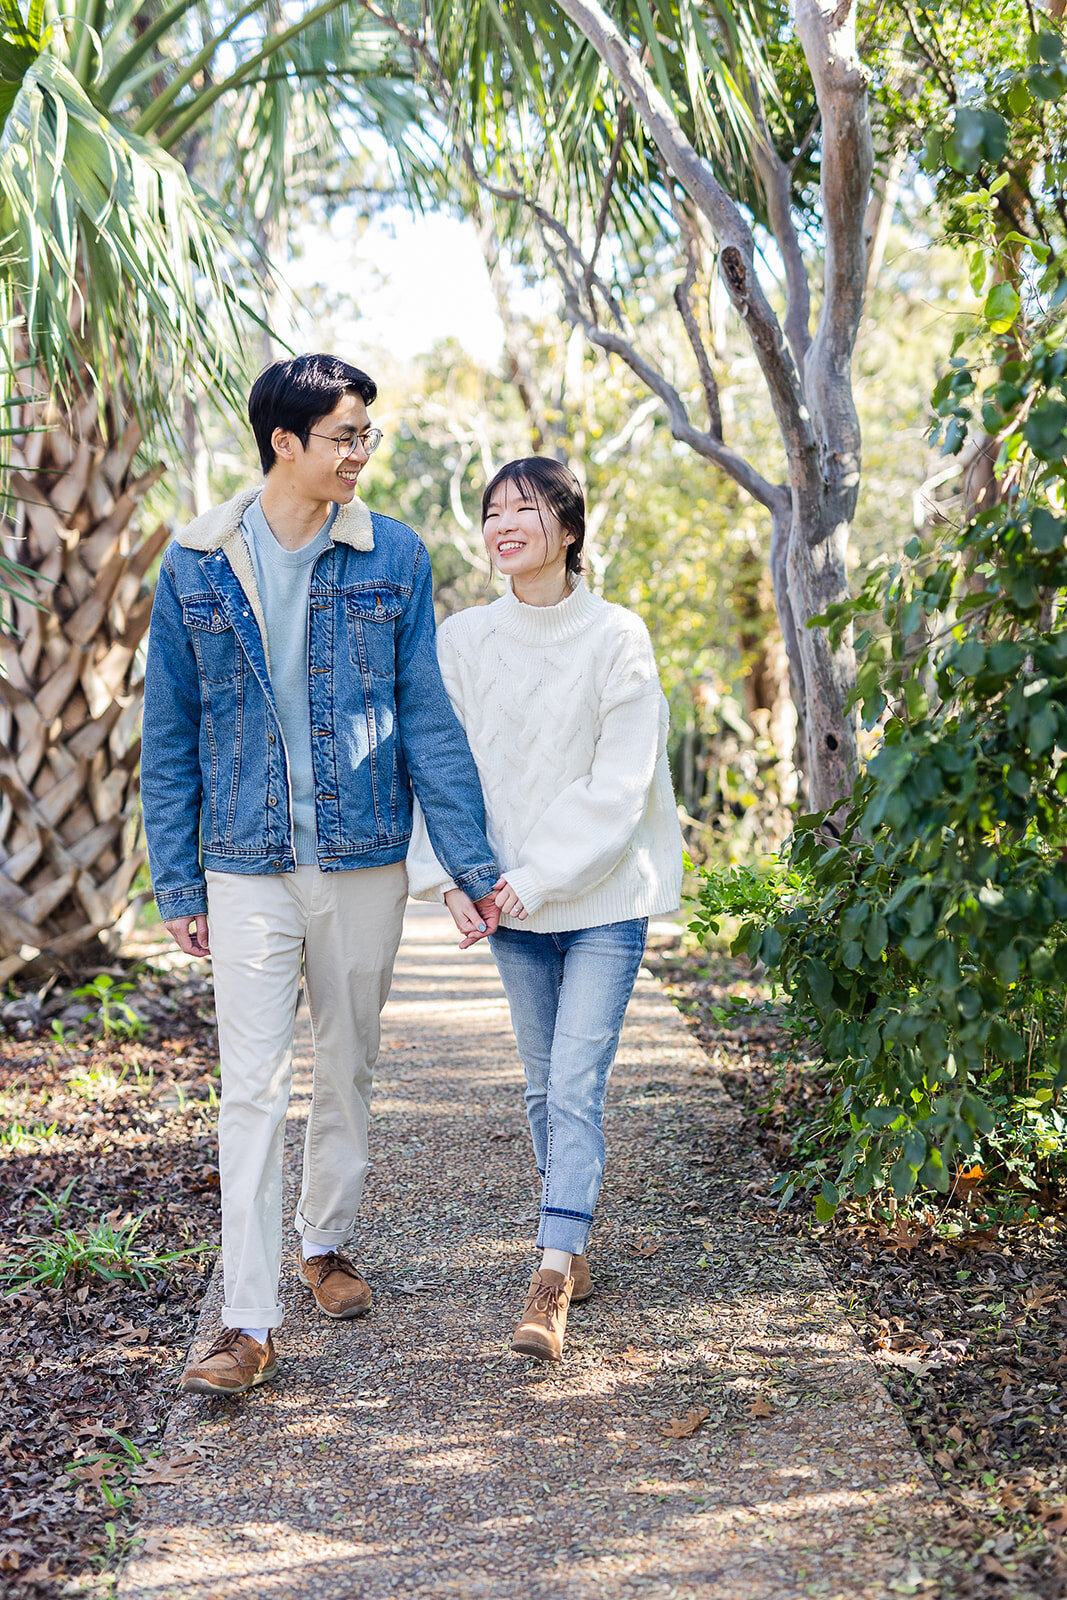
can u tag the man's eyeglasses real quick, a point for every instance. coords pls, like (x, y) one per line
(345, 443)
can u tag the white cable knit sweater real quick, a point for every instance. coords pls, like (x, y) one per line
(568, 727)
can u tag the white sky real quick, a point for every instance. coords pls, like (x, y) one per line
(395, 286)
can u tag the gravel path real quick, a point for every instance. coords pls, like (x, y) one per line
(410, 1454)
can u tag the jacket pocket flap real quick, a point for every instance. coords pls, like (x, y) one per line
(374, 605)
(206, 614)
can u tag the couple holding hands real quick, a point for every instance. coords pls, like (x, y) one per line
(295, 697)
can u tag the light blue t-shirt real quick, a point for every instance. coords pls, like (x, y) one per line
(283, 578)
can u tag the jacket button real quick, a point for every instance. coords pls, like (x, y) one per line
(271, 738)
(278, 866)
(271, 801)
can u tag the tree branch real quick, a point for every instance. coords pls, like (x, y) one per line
(776, 177)
(605, 199)
(828, 37)
(682, 293)
(733, 234)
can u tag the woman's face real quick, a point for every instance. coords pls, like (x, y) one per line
(522, 536)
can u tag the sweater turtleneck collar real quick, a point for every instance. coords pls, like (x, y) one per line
(550, 624)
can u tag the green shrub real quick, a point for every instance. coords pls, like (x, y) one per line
(921, 937)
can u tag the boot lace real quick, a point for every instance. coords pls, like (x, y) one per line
(547, 1299)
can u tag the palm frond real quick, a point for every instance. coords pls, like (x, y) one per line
(121, 269)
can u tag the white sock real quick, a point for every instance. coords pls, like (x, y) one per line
(311, 1250)
(260, 1335)
(556, 1261)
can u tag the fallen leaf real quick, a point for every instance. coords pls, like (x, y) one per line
(648, 1248)
(993, 1568)
(1055, 1518)
(760, 1407)
(635, 1357)
(684, 1427)
(168, 1469)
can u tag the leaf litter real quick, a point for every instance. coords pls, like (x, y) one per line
(969, 1331)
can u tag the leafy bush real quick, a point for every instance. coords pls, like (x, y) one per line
(922, 937)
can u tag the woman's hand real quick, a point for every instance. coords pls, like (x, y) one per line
(508, 902)
(466, 916)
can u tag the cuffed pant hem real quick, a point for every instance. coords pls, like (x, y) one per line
(332, 1238)
(256, 1317)
(563, 1233)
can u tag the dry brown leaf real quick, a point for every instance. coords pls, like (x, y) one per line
(648, 1248)
(993, 1568)
(1041, 1295)
(635, 1357)
(684, 1427)
(759, 1406)
(166, 1469)
(1055, 1518)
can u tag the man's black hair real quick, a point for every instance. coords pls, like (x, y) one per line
(296, 394)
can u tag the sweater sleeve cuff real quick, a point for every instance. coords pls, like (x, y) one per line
(524, 882)
(432, 892)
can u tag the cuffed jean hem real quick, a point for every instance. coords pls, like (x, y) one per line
(257, 1317)
(563, 1233)
(332, 1238)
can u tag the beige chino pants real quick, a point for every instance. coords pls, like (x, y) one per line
(344, 929)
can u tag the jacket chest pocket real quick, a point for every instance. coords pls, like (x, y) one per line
(214, 641)
(372, 618)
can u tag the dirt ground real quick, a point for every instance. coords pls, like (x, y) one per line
(107, 1126)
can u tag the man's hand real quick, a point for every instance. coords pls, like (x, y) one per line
(468, 917)
(507, 901)
(190, 933)
(490, 912)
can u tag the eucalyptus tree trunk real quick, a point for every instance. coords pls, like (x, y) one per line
(808, 377)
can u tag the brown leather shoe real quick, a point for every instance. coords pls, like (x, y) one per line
(583, 1282)
(338, 1288)
(235, 1363)
(544, 1319)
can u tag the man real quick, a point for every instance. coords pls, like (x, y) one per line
(292, 698)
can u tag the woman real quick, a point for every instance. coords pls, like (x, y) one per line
(559, 696)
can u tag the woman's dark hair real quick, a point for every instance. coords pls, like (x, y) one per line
(548, 483)
(296, 394)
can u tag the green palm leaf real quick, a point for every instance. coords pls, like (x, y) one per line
(119, 265)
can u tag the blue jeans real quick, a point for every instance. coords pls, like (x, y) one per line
(568, 994)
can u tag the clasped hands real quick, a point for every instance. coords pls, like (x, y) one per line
(477, 919)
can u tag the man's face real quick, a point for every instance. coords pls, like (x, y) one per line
(318, 471)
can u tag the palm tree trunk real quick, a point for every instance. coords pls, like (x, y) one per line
(71, 681)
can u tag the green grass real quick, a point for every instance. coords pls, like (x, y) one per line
(103, 1249)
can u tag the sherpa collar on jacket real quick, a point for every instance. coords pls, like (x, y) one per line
(352, 525)
(220, 529)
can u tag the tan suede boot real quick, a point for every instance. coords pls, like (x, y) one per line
(583, 1282)
(544, 1319)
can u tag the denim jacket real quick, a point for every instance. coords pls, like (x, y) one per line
(214, 770)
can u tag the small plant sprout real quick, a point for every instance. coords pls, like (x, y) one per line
(115, 1017)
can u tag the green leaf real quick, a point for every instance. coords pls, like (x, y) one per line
(902, 1178)
(876, 936)
(1001, 307)
(969, 659)
(1047, 533)
(1006, 1041)
(882, 1116)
